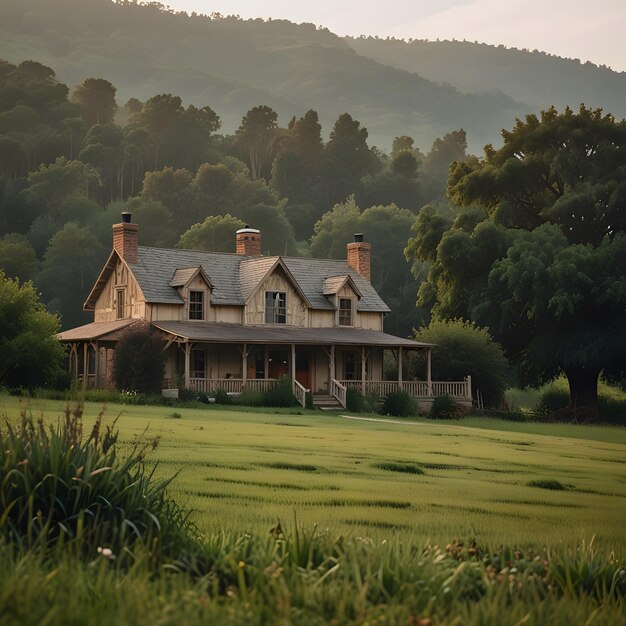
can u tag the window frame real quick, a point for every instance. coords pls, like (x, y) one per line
(273, 314)
(192, 308)
(344, 313)
(120, 303)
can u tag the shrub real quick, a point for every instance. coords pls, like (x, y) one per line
(463, 348)
(445, 408)
(355, 402)
(250, 397)
(551, 400)
(139, 361)
(68, 488)
(399, 404)
(308, 401)
(222, 397)
(280, 394)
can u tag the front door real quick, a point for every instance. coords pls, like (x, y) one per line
(303, 369)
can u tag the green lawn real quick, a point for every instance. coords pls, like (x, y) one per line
(423, 481)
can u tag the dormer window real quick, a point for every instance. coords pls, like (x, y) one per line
(196, 305)
(345, 311)
(275, 307)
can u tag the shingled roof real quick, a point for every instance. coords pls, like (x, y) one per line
(234, 276)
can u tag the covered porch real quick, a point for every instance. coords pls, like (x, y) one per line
(207, 357)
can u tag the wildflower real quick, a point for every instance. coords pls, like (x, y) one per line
(107, 553)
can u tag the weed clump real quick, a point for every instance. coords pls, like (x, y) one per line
(58, 486)
(551, 484)
(404, 468)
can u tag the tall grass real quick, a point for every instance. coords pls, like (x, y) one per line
(58, 485)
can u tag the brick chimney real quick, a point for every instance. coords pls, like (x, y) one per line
(126, 238)
(359, 256)
(249, 241)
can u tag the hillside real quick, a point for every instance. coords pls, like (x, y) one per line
(232, 65)
(537, 78)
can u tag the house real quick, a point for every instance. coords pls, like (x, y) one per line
(242, 320)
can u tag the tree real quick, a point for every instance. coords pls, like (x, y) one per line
(30, 353)
(96, 99)
(17, 257)
(463, 348)
(385, 227)
(51, 185)
(256, 137)
(347, 158)
(139, 360)
(215, 234)
(536, 251)
(69, 269)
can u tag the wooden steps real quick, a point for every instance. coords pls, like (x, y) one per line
(326, 403)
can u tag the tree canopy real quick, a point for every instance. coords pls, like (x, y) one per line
(30, 353)
(537, 248)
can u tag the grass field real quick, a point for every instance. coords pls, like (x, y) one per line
(423, 481)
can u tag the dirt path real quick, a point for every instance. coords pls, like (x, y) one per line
(383, 421)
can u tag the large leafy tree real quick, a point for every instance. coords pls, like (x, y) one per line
(69, 269)
(215, 234)
(385, 228)
(96, 99)
(30, 353)
(256, 138)
(537, 249)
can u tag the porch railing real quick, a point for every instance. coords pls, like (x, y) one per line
(300, 392)
(231, 385)
(417, 388)
(338, 391)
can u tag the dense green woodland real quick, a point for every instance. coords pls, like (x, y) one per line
(421, 89)
(69, 164)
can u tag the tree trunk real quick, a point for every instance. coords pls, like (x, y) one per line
(583, 388)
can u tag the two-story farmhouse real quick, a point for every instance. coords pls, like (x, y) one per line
(242, 320)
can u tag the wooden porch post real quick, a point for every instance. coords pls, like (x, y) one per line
(293, 361)
(187, 364)
(244, 355)
(332, 363)
(363, 370)
(429, 382)
(85, 370)
(400, 367)
(97, 368)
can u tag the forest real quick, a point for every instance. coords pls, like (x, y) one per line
(416, 88)
(72, 160)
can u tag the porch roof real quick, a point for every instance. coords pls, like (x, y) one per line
(96, 330)
(216, 332)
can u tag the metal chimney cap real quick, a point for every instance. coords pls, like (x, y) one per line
(358, 237)
(126, 216)
(247, 229)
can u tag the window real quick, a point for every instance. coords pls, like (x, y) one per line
(345, 311)
(352, 366)
(196, 305)
(275, 307)
(198, 364)
(119, 304)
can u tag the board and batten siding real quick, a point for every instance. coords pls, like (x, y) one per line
(297, 311)
(121, 278)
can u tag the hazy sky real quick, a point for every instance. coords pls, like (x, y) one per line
(590, 30)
